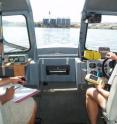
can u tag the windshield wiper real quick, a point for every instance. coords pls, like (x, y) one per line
(14, 45)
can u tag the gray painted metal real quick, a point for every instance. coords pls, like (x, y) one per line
(80, 72)
(15, 5)
(43, 62)
(22, 7)
(101, 6)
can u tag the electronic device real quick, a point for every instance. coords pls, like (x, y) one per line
(103, 51)
(95, 67)
(93, 79)
(22, 58)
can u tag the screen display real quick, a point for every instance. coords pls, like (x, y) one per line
(92, 65)
(94, 77)
(21, 59)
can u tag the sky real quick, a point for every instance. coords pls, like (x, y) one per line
(61, 9)
(57, 9)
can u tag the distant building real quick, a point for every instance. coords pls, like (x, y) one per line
(46, 22)
(63, 22)
(52, 22)
(59, 22)
(68, 23)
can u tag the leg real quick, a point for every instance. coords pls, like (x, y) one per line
(93, 101)
(32, 120)
(91, 106)
(23, 112)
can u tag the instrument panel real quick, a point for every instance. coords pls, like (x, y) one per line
(18, 58)
(95, 79)
(13, 65)
(95, 67)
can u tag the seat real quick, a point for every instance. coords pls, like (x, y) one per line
(1, 119)
(110, 113)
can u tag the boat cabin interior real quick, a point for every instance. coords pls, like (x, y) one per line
(61, 74)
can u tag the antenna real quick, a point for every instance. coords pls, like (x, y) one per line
(49, 16)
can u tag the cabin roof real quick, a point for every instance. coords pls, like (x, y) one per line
(15, 5)
(101, 6)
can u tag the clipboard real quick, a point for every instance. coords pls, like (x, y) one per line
(21, 92)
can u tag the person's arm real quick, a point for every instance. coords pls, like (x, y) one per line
(10, 91)
(111, 55)
(7, 96)
(17, 79)
(102, 91)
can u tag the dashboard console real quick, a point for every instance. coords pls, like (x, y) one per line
(93, 79)
(95, 67)
(13, 65)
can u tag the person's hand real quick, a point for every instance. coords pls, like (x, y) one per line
(18, 79)
(100, 86)
(102, 91)
(8, 95)
(111, 55)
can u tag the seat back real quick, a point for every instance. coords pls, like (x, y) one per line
(111, 107)
(1, 119)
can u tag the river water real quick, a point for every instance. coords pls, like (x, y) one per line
(69, 37)
(57, 37)
(63, 37)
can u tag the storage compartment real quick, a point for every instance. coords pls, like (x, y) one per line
(57, 72)
(57, 69)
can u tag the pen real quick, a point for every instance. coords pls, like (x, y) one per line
(17, 87)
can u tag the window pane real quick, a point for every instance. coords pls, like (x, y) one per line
(15, 33)
(57, 22)
(103, 34)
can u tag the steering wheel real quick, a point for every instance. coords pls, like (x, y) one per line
(107, 71)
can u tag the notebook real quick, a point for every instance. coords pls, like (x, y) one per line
(21, 92)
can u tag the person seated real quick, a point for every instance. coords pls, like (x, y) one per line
(23, 112)
(97, 97)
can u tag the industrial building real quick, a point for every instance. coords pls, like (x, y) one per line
(58, 22)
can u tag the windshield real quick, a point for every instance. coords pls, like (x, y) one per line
(57, 22)
(15, 34)
(103, 34)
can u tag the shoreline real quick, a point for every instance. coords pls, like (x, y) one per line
(112, 26)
